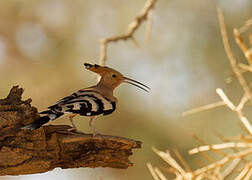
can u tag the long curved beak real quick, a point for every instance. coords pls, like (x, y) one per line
(136, 83)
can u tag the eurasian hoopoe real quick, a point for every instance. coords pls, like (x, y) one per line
(92, 101)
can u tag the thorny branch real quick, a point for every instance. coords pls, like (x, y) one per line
(230, 55)
(231, 163)
(247, 52)
(237, 109)
(133, 26)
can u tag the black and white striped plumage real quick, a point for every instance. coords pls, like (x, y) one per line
(83, 102)
(93, 101)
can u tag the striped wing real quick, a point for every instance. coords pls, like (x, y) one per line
(84, 103)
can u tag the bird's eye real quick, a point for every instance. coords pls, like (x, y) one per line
(113, 75)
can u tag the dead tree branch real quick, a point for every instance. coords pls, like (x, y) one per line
(133, 26)
(42, 150)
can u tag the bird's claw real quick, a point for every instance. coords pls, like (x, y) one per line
(96, 133)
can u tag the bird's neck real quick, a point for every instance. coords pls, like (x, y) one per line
(105, 89)
(104, 85)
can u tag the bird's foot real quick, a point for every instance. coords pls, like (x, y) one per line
(96, 133)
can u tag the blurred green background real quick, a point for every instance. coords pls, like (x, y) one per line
(44, 43)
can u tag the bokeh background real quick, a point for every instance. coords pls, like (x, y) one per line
(44, 43)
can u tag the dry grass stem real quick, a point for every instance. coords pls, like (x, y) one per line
(226, 172)
(171, 161)
(220, 146)
(182, 160)
(152, 171)
(234, 158)
(249, 174)
(225, 99)
(250, 41)
(203, 154)
(242, 45)
(245, 27)
(233, 164)
(244, 138)
(243, 173)
(243, 119)
(203, 108)
(245, 67)
(223, 161)
(148, 26)
(242, 103)
(160, 174)
(133, 26)
(230, 55)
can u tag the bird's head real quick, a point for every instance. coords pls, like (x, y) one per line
(112, 78)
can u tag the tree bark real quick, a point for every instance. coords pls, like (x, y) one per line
(42, 150)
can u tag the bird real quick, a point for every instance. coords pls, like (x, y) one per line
(91, 101)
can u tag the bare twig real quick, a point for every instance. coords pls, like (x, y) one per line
(250, 41)
(220, 146)
(133, 26)
(204, 108)
(243, 119)
(148, 26)
(203, 154)
(245, 67)
(243, 101)
(239, 40)
(171, 161)
(239, 159)
(182, 160)
(225, 99)
(245, 27)
(152, 171)
(223, 161)
(230, 55)
(226, 172)
(243, 173)
(249, 174)
(160, 174)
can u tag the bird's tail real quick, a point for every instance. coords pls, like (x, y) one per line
(49, 116)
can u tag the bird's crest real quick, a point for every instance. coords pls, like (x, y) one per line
(112, 78)
(100, 69)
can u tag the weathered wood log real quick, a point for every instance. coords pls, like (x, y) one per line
(28, 152)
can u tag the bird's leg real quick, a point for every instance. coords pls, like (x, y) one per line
(92, 126)
(72, 122)
(73, 125)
